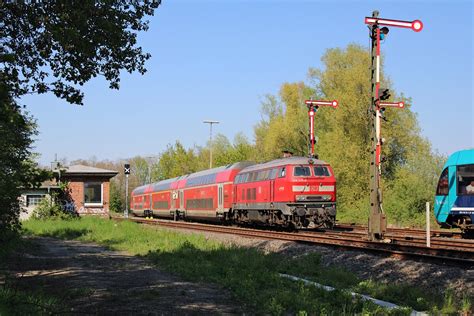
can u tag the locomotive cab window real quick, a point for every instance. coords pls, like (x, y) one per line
(321, 171)
(282, 173)
(302, 171)
(465, 180)
(443, 183)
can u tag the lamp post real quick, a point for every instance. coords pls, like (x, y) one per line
(210, 139)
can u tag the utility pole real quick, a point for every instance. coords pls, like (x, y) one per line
(377, 219)
(210, 139)
(313, 106)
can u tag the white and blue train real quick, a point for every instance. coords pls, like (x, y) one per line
(454, 201)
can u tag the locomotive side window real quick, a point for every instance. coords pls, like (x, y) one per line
(301, 171)
(321, 171)
(465, 179)
(282, 172)
(443, 183)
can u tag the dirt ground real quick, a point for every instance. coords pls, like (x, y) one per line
(90, 279)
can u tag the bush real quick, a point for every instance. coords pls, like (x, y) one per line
(48, 208)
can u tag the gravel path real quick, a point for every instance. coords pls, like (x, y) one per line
(101, 281)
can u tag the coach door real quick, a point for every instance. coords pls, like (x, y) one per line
(220, 198)
(181, 200)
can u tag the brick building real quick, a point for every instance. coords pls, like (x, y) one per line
(88, 191)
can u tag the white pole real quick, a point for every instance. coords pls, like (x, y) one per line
(126, 196)
(428, 233)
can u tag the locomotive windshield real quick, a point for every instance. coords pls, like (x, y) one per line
(321, 171)
(302, 171)
(443, 188)
(465, 179)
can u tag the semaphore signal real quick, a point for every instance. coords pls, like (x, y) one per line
(377, 220)
(313, 106)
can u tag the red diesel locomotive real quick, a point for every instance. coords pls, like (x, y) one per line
(289, 192)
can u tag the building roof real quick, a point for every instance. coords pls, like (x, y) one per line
(86, 170)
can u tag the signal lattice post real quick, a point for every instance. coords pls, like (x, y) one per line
(313, 106)
(377, 220)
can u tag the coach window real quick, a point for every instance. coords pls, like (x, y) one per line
(465, 179)
(93, 193)
(443, 187)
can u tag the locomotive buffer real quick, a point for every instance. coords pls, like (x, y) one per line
(377, 219)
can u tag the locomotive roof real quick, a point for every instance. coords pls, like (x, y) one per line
(462, 157)
(283, 162)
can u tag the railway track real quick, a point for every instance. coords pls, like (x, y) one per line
(443, 250)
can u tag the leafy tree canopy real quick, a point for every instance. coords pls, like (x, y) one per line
(58, 46)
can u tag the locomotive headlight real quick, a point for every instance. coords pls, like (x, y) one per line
(301, 198)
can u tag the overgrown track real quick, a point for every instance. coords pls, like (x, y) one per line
(444, 250)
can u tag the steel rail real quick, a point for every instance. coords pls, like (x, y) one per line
(440, 253)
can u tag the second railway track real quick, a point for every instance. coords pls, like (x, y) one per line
(443, 250)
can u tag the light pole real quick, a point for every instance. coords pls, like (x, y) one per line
(210, 139)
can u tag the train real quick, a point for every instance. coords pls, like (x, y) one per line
(291, 192)
(454, 200)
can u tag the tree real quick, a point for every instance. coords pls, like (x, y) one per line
(70, 43)
(411, 168)
(17, 166)
(56, 46)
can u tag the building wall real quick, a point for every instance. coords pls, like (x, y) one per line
(27, 210)
(76, 191)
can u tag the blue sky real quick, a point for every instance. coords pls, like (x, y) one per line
(217, 59)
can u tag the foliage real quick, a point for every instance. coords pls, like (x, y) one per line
(117, 205)
(56, 46)
(18, 169)
(411, 168)
(70, 42)
(49, 208)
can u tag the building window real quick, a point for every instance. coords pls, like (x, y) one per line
(92, 193)
(34, 199)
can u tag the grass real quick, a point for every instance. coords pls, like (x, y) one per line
(251, 276)
(16, 301)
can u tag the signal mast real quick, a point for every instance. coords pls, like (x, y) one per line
(377, 220)
(313, 106)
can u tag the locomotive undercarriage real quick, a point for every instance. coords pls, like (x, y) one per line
(294, 215)
(461, 221)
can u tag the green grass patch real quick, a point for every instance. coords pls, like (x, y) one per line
(252, 276)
